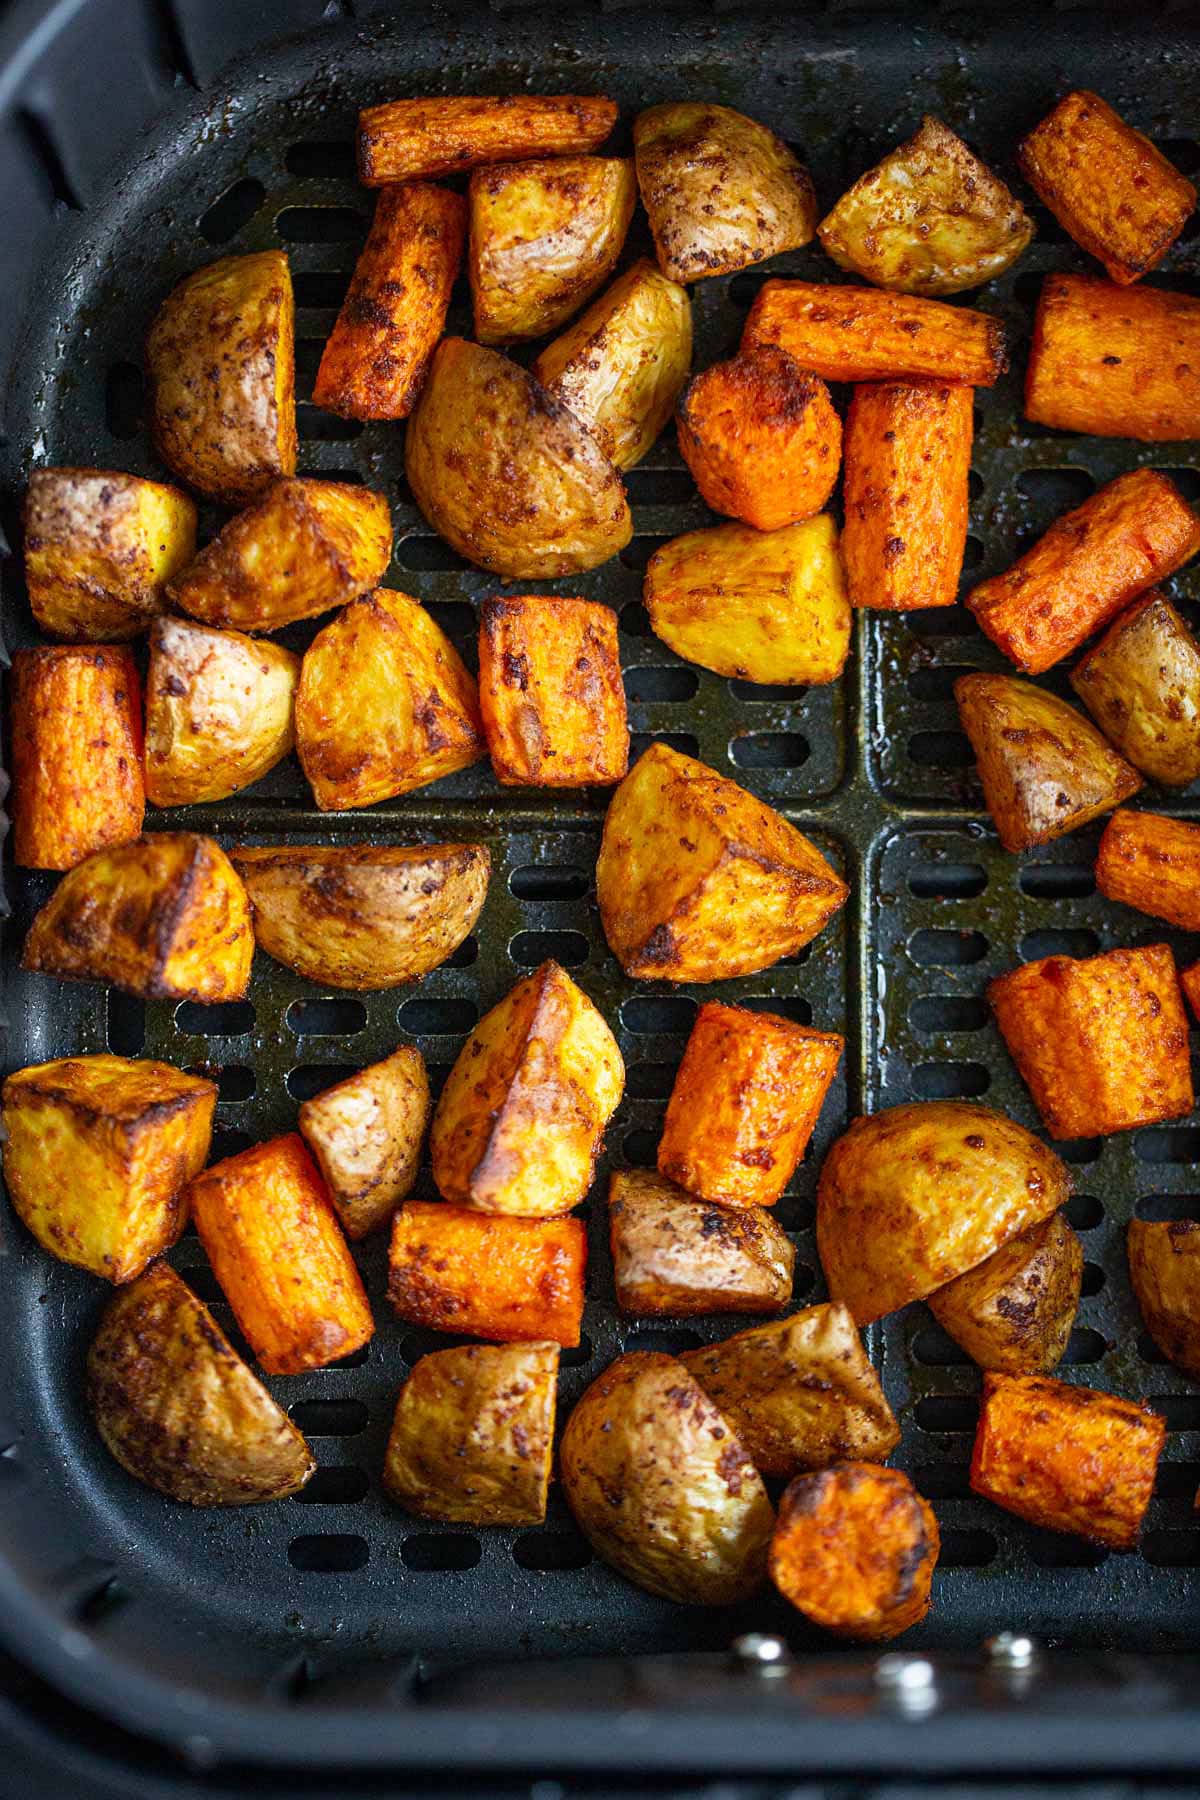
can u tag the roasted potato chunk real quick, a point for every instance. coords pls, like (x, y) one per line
(1015, 1311)
(721, 191)
(621, 365)
(179, 1409)
(218, 711)
(854, 1550)
(221, 360)
(363, 916)
(405, 140)
(489, 1276)
(860, 334)
(766, 606)
(1164, 1270)
(551, 693)
(163, 918)
(385, 704)
(100, 549)
(1045, 769)
(661, 1486)
(1115, 362)
(366, 1134)
(544, 236)
(97, 1152)
(677, 1256)
(1141, 684)
(76, 715)
(929, 219)
(1153, 863)
(521, 1118)
(698, 880)
(914, 1196)
(473, 1434)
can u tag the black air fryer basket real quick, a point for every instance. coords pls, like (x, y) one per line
(143, 138)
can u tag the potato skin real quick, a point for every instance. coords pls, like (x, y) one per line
(403, 140)
(551, 693)
(1164, 1270)
(1141, 684)
(493, 1276)
(221, 360)
(218, 711)
(861, 334)
(76, 714)
(676, 1256)
(1152, 862)
(661, 1486)
(365, 1134)
(911, 1197)
(179, 1409)
(1015, 1311)
(1115, 362)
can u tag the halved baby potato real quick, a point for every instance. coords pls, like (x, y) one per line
(1141, 684)
(1164, 1269)
(218, 711)
(366, 1134)
(1015, 1311)
(677, 1256)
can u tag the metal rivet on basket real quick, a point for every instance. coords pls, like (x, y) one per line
(759, 1651)
(910, 1682)
(1011, 1650)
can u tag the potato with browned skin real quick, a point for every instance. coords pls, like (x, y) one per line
(219, 709)
(1164, 1270)
(861, 334)
(551, 693)
(676, 1256)
(1115, 362)
(1015, 1311)
(77, 788)
(488, 1275)
(406, 140)
(366, 1134)
(1141, 684)
(1151, 862)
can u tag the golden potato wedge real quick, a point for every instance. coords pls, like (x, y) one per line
(543, 237)
(493, 1276)
(1152, 862)
(697, 880)
(403, 140)
(506, 473)
(721, 191)
(218, 711)
(385, 704)
(366, 1134)
(1015, 1311)
(662, 1487)
(677, 1256)
(473, 1434)
(1164, 1269)
(912, 1197)
(100, 549)
(222, 365)
(929, 219)
(363, 916)
(164, 918)
(621, 366)
(799, 1392)
(1141, 684)
(551, 692)
(179, 1409)
(520, 1121)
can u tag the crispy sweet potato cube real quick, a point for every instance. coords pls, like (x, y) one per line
(1189, 981)
(1115, 362)
(1164, 1270)
(218, 711)
(406, 140)
(97, 1153)
(488, 1276)
(677, 1256)
(861, 334)
(76, 753)
(1151, 862)
(551, 693)
(519, 1123)
(698, 880)
(100, 549)
(1015, 1311)
(273, 1239)
(1067, 1458)
(1141, 684)
(366, 1134)
(164, 917)
(1102, 1043)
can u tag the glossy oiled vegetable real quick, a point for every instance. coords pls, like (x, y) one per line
(675, 1255)
(366, 1134)
(859, 334)
(218, 711)
(1141, 684)
(491, 1276)
(1015, 1311)
(1115, 362)
(550, 691)
(1164, 1270)
(405, 139)
(1152, 862)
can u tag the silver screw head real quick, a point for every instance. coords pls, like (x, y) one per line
(1011, 1650)
(760, 1651)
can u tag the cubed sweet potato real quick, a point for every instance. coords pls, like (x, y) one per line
(1189, 981)
(1115, 362)
(1151, 862)
(218, 711)
(551, 693)
(407, 140)
(677, 1256)
(490, 1276)
(1141, 684)
(1015, 1311)
(864, 334)
(1164, 1271)
(366, 1134)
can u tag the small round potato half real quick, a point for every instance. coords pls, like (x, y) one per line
(1015, 1311)
(1164, 1268)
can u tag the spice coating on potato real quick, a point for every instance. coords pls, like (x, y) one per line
(661, 1486)
(1153, 863)
(1141, 684)
(1115, 362)
(491, 1276)
(1164, 1270)
(366, 1134)
(678, 1256)
(179, 1409)
(551, 692)
(218, 711)
(861, 334)
(1015, 1311)
(403, 140)
(76, 714)
(916, 1195)
(473, 1434)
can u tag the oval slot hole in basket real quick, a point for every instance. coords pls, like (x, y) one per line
(232, 210)
(667, 684)
(339, 1484)
(309, 1079)
(947, 1412)
(531, 948)
(542, 881)
(940, 750)
(949, 1081)
(437, 1018)
(229, 1018)
(661, 1339)
(770, 750)
(947, 949)
(933, 1014)
(947, 881)
(331, 1016)
(650, 1015)
(329, 1418)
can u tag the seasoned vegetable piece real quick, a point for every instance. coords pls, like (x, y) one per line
(1102, 1043)
(97, 1152)
(1141, 684)
(1045, 769)
(800, 1392)
(76, 714)
(363, 916)
(366, 1135)
(676, 1255)
(1067, 1458)
(905, 492)
(916, 1195)
(698, 880)
(520, 1121)
(1189, 981)
(163, 918)
(1164, 1268)
(1015, 1311)
(745, 1103)
(272, 1237)
(222, 368)
(621, 365)
(494, 1277)
(305, 546)
(179, 1409)
(1119, 197)
(218, 711)
(507, 474)
(721, 191)
(929, 219)
(544, 237)
(761, 437)
(1115, 362)
(661, 1486)
(404, 140)
(375, 359)
(385, 704)
(860, 334)
(765, 606)
(473, 1434)
(1152, 863)
(855, 1549)
(551, 693)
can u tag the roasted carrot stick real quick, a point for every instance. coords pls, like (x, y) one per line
(865, 334)
(1115, 362)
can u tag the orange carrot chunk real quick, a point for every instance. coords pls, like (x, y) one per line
(1115, 362)
(406, 140)
(489, 1275)
(1153, 863)
(866, 334)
